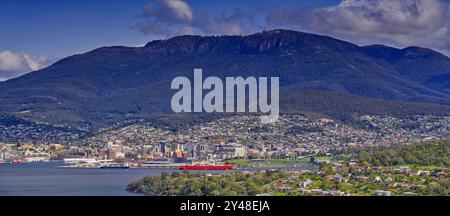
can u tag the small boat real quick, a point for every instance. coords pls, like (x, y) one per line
(16, 161)
(115, 166)
(206, 167)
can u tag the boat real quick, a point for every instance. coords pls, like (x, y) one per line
(79, 160)
(206, 167)
(160, 165)
(115, 166)
(16, 161)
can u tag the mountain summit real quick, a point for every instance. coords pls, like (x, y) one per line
(111, 84)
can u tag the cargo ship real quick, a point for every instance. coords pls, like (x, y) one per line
(206, 167)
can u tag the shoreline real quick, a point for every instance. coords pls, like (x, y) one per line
(174, 168)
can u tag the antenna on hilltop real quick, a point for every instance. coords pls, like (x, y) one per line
(263, 27)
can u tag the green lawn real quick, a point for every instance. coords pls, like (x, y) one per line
(270, 162)
(323, 158)
(423, 167)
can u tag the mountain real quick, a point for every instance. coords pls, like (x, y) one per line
(421, 65)
(113, 84)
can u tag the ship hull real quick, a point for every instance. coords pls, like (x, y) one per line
(103, 167)
(206, 167)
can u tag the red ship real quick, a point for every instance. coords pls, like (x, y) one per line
(207, 167)
(16, 161)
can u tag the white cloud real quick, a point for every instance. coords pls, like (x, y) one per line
(402, 23)
(15, 64)
(180, 8)
(174, 17)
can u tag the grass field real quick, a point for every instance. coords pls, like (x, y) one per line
(431, 168)
(270, 162)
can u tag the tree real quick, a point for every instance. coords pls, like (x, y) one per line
(175, 175)
(164, 175)
(312, 160)
(326, 168)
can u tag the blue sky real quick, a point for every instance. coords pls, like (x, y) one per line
(34, 33)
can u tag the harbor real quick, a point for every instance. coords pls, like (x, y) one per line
(88, 163)
(49, 179)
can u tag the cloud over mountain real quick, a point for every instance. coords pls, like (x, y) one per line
(15, 64)
(174, 17)
(424, 23)
(402, 23)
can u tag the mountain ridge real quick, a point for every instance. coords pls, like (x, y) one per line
(110, 84)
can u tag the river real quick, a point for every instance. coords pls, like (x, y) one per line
(45, 179)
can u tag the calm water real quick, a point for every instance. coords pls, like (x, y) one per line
(46, 179)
